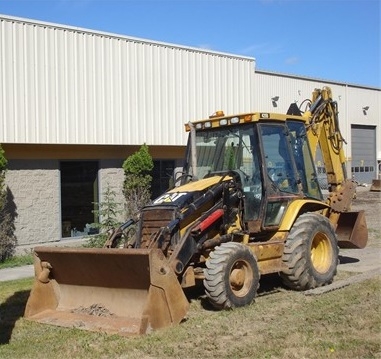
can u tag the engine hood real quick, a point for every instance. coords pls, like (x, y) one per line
(188, 193)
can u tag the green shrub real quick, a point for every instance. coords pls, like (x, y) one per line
(107, 212)
(136, 190)
(7, 238)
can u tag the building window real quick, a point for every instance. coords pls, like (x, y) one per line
(363, 169)
(162, 173)
(79, 192)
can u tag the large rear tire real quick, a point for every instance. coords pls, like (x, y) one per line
(311, 253)
(231, 276)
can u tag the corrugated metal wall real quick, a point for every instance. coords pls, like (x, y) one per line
(350, 99)
(72, 86)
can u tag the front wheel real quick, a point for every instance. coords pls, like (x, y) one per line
(231, 276)
(311, 253)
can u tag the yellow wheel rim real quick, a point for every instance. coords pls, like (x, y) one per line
(321, 253)
(241, 278)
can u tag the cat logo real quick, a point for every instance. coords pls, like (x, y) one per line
(169, 197)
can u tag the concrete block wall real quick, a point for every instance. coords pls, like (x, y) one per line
(34, 187)
(35, 199)
(111, 175)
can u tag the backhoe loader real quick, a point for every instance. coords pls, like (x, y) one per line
(247, 204)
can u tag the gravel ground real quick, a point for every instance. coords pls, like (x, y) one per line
(369, 258)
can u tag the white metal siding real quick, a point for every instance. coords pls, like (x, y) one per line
(350, 100)
(71, 86)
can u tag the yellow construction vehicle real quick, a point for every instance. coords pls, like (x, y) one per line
(248, 203)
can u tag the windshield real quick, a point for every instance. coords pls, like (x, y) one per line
(224, 149)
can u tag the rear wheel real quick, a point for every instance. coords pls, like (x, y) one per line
(231, 276)
(311, 253)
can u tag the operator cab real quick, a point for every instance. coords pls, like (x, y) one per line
(270, 157)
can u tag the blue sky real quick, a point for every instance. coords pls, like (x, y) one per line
(326, 39)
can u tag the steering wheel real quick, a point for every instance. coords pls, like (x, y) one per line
(184, 176)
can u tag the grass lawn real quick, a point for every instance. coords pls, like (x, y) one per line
(345, 323)
(17, 261)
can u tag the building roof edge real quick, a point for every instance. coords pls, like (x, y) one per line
(120, 36)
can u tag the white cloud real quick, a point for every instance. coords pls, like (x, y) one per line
(292, 60)
(262, 49)
(205, 46)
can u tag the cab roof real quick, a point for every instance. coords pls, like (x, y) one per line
(219, 119)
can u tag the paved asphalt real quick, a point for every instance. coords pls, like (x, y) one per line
(28, 271)
(16, 273)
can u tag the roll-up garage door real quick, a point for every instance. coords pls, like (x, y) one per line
(363, 153)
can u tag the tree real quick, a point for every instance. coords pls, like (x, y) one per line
(7, 238)
(137, 180)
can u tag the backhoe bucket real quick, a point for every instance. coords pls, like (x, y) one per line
(352, 231)
(376, 185)
(124, 291)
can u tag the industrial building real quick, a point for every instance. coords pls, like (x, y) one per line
(75, 103)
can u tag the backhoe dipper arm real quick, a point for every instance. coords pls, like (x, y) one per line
(323, 129)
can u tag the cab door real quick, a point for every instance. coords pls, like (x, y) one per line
(280, 176)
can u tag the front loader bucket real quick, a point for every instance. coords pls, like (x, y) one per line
(352, 231)
(124, 291)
